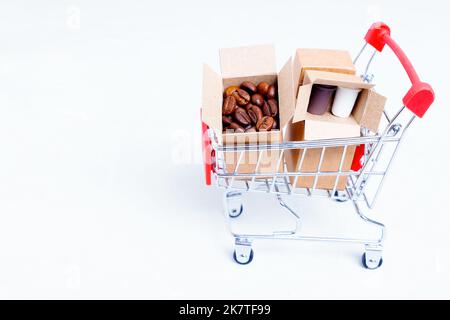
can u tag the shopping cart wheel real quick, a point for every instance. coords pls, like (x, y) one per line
(235, 212)
(243, 258)
(371, 262)
(340, 197)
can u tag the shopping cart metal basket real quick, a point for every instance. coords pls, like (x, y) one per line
(366, 169)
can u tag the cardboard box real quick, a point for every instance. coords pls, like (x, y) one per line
(367, 111)
(334, 67)
(248, 163)
(327, 126)
(331, 163)
(256, 64)
(331, 160)
(337, 61)
(304, 126)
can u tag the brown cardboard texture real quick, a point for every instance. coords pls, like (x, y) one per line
(331, 162)
(286, 94)
(256, 64)
(338, 61)
(248, 61)
(311, 160)
(249, 162)
(368, 107)
(326, 126)
(212, 98)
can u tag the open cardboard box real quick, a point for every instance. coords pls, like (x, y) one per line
(256, 64)
(367, 111)
(304, 126)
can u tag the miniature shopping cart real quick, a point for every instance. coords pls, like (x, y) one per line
(367, 169)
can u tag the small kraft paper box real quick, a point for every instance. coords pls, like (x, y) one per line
(255, 64)
(366, 113)
(338, 61)
(305, 126)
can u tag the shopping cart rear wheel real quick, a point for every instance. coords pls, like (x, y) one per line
(371, 265)
(243, 259)
(340, 197)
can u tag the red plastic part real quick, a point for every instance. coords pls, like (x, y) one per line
(376, 35)
(421, 95)
(419, 98)
(359, 153)
(207, 153)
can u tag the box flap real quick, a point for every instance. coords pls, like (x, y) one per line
(248, 61)
(323, 59)
(212, 98)
(304, 93)
(286, 93)
(337, 79)
(328, 126)
(369, 110)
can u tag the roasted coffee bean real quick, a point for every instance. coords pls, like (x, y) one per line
(227, 120)
(234, 127)
(271, 92)
(263, 87)
(241, 116)
(258, 99)
(254, 113)
(251, 129)
(229, 105)
(273, 104)
(265, 124)
(241, 96)
(247, 107)
(266, 109)
(249, 87)
(229, 91)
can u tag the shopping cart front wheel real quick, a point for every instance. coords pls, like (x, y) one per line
(371, 261)
(242, 257)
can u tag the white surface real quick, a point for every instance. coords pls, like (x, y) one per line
(344, 101)
(101, 187)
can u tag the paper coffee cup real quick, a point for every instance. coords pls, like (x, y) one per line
(344, 101)
(320, 99)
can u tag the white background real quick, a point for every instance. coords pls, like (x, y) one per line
(101, 186)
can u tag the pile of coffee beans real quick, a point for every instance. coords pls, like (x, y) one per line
(250, 108)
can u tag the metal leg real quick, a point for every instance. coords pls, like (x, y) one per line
(373, 255)
(243, 252)
(292, 212)
(370, 221)
(233, 204)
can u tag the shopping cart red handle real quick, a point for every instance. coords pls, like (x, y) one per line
(207, 152)
(421, 95)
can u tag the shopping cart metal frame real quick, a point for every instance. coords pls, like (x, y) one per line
(371, 146)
